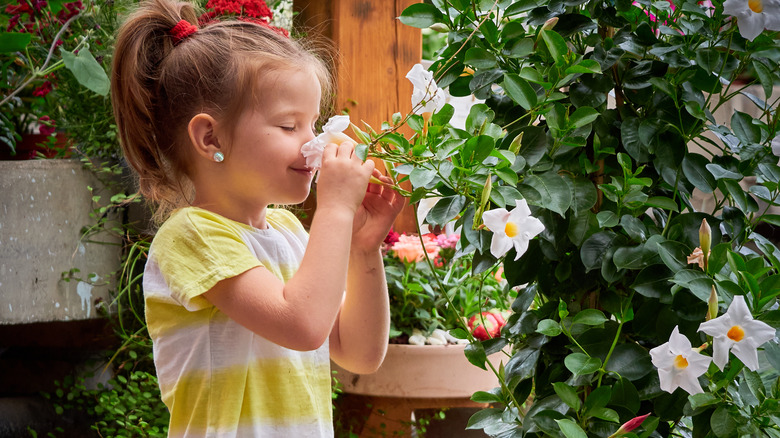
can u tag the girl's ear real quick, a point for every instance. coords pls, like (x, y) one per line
(202, 130)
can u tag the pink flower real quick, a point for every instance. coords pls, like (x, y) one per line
(697, 256)
(392, 237)
(447, 241)
(409, 250)
(630, 425)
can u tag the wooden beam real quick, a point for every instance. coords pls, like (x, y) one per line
(374, 53)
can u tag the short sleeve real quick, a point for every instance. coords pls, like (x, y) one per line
(196, 249)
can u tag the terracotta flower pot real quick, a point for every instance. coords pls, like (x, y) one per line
(422, 371)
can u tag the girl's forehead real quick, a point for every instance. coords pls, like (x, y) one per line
(287, 90)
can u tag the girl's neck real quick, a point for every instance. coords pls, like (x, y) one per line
(255, 217)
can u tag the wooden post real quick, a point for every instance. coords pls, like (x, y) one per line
(374, 53)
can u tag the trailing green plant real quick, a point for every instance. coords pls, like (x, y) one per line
(584, 174)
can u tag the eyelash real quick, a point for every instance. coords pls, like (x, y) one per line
(288, 129)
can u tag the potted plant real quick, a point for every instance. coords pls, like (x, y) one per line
(54, 57)
(597, 123)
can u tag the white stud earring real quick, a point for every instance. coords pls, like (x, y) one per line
(219, 157)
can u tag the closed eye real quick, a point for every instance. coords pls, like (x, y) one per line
(288, 128)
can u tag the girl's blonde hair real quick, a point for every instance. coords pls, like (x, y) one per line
(157, 87)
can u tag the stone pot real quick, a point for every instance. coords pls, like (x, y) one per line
(422, 371)
(45, 205)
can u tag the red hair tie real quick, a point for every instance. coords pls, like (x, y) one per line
(182, 30)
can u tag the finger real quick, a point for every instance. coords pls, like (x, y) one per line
(329, 151)
(346, 149)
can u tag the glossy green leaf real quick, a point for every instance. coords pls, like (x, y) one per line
(520, 91)
(421, 15)
(571, 429)
(556, 45)
(580, 364)
(568, 394)
(589, 317)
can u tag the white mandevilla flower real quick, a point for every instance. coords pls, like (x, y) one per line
(753, 16)
(776, 146)
(512, 228)
(427, 96)
(738, 332)
(332, 132)
(679, 366)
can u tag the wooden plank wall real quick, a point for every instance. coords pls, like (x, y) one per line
(374, 51)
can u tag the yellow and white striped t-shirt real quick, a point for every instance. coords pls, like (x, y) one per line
(218, 378)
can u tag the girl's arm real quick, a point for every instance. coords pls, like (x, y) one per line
(300, 314)
(359, 339)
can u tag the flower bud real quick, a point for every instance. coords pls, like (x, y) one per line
(439, 27)
(514, 147)
(712, 305)
(705, 240)
(629, 425)
(483, 200)
(550, 24)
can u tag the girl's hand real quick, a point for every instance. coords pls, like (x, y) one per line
(343, 178)
(380, 206)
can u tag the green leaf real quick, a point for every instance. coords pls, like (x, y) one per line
(720, 172)
(695, 169)
(584, 66)
(554, 193)
(421, 15)
(445, 210)
(583, 116)
(746, 131)
(624, 394)
(605, 414)
(520, 91)
(485, 418)
(630, 361)
(568, 395)
(765, 77)
(662, 202)
(14, 41)
(479, 58)
(571, 429)
(556, 45)
(549, 327)
(580, 364)
(703, 399)
(87, 70)
(589, 317)
(598, 398)
(723, 425)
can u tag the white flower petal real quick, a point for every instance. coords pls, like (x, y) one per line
(500, 244)
(678, 344)
(747, 354)
(750, 24)
(689, 383)
(720, 351)
(521, 246)
(496, 219)
(738, 310)
(337, 124)
(776, 140)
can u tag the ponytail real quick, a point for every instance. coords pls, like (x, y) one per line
(144, 41)
(166, 71)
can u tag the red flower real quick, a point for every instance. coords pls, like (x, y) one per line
(252, 11)
(47, 126)
(492, 327)
(44, 89)
(391, 238)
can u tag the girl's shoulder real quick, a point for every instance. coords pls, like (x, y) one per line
(189, 218)
(280, 218)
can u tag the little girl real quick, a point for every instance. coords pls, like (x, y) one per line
(244, 308)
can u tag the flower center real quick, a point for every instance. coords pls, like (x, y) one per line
(511, 229)
(680, 362)
(756, 6)
(736, 333)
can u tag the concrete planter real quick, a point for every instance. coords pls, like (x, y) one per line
(45, 204)
(422, 371)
